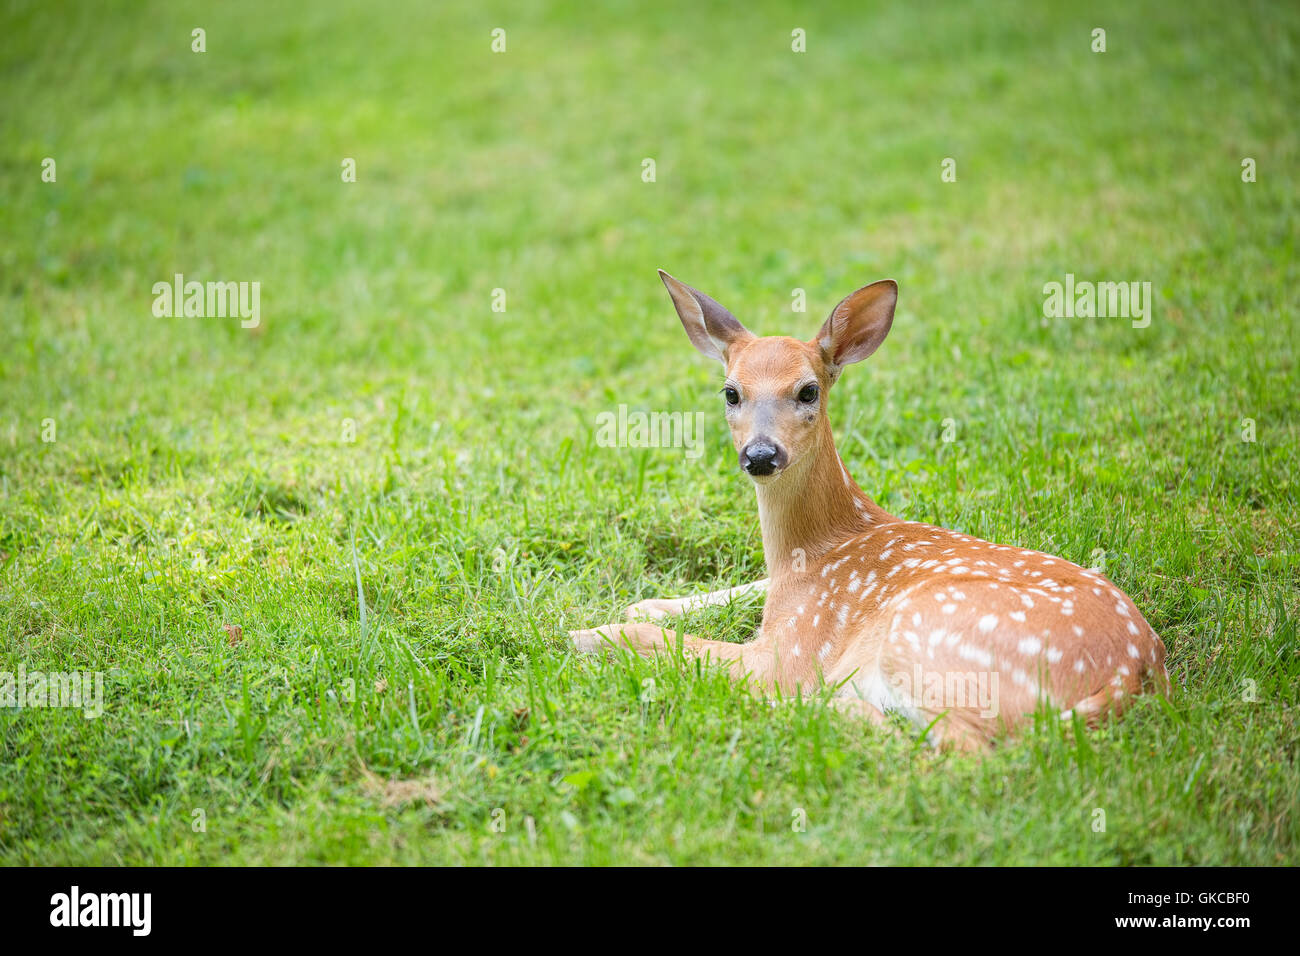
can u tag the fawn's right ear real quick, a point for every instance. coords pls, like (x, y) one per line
(712, 328)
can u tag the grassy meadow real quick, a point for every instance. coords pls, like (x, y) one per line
(326, 565)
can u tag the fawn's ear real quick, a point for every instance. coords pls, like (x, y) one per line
(712, 328)
(858, 325)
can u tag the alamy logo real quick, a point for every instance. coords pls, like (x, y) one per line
(946, 690)
(213, 300)
(103, 909)
(77, 689)
(624, 429)
(1086, 300)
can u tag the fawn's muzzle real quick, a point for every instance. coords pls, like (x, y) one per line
(761, 457)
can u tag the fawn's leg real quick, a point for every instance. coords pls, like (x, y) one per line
(656, 608)
(751, 659)
(948, 735)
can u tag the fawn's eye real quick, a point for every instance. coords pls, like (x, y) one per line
(808, 394)
(732, 396)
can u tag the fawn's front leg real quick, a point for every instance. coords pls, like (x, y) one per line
(754, 659)
(655, 609)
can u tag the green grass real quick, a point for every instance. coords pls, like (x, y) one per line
(403, 673)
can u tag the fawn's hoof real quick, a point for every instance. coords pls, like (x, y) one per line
(593, 640)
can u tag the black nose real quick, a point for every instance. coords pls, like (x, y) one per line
(760, 458)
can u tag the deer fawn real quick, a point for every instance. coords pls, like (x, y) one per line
(961, 636)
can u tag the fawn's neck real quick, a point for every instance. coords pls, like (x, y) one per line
(811, 508)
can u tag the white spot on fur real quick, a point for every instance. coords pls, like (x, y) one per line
(976, 654)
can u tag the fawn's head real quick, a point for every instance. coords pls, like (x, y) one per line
(775, 389)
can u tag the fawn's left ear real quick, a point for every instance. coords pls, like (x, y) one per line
(858, 325)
